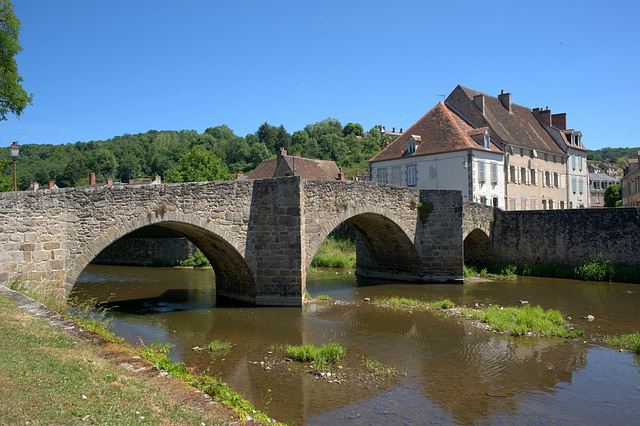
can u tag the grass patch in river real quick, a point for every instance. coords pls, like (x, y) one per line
(516, 321)
(626, 341)
(404, 302)
(322, 356)
(528, 320)
(218, 346)
(374, 366)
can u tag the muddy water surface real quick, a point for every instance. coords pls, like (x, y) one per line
(454, 373)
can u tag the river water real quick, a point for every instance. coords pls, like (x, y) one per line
(451, 372)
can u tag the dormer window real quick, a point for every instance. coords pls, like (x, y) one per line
(414, 141)
(486, 139)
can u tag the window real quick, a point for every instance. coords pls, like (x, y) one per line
(523, 203)
(580, 185)
(534, 204)
(382, 175)
(580, 163)
(412, 147)
(486, 139)
(550, 204)
(544, 204)
(573, 162)
(573, 185)
(483, 201)
(547, 178)
(556, 180)
(533, 177)
(494, 173)
(495, 201)
(561, 204)
(411, 175)
(481, 172)
(512, 203)
(512, 174)
(523, 175)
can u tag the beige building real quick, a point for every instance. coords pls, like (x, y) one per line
(495, 151)
(533, 144)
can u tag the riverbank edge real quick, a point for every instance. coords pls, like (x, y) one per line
(132, 364)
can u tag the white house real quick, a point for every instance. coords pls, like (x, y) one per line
(443, 151)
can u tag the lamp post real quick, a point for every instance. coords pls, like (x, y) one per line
(13, 150)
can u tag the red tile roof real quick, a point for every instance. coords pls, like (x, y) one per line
(306, 167)
(439, 130)
(518, 126)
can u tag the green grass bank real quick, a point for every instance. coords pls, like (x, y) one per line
(51, 377)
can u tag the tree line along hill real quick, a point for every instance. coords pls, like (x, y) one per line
(216, 154)
(189, 156)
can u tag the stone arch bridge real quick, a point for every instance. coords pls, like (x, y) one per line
(260, 236)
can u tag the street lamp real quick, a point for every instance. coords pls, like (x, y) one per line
(13, 150)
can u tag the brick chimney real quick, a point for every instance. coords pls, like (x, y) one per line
(543, 115)
(92, 178)
(559, 120)
(281, 153)
(478, 100)
(505, 98)
(340, 175)
(109, 181)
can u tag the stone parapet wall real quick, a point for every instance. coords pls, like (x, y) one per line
(568, 237)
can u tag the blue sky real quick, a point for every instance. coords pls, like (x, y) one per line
(99, 69)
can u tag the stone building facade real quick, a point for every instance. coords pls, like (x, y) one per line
(496, 152)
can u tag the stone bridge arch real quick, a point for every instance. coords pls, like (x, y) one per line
(478, 223)
(384, 248)
(394, 242)
(49, 237)
(225, 252)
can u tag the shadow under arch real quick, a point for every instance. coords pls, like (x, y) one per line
(233, 277)
(477, 248)
(383, 249)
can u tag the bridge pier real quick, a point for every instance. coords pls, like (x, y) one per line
(275, 242)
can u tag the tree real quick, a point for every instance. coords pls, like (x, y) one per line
(129, 167)
(74, 171)
(273, 137)
(612, 195)
(13, 98)
(352, 129)
(6, 176)
(198, 165)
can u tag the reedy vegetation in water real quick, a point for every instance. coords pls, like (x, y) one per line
(517, 321)
(626, 341)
